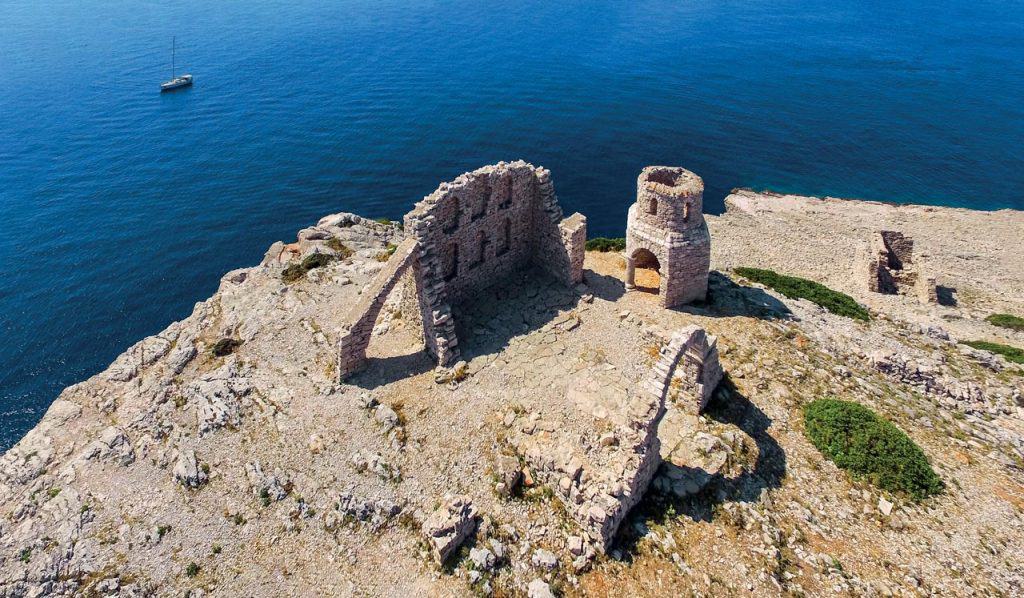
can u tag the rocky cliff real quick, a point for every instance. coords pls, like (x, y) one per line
(222, 456)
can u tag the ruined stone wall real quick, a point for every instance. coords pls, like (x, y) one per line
(891, 267)
(598, 492)
(479, 228)
(355, 338)
(667, 220)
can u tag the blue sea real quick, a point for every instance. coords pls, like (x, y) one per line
(122, 207)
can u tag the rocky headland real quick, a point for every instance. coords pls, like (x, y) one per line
(223, 456)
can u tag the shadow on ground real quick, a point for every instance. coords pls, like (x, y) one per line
(380, 371)
(946, 295)
(485, 323)
(728, 299)
(728, 406)
(522, 303)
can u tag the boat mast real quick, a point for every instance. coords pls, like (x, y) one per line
(172, 56)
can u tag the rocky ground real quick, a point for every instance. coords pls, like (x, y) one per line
(221, 456)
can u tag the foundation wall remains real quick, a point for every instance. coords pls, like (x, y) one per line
(667, 221)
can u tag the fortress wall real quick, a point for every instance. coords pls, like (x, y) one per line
(477, 229)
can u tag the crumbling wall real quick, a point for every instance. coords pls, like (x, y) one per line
(667, 220)
(600, 485)
(696, 371)
(477, 229)
(891, 268)
(355, 337)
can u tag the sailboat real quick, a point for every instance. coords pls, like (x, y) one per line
(175, 82)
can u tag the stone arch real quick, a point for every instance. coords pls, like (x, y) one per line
(645, 259)
(355, 336)
(652, 206)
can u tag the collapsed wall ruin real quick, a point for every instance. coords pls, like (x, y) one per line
(666, 230)
(463, 237)
(892, 268)
(600, 484)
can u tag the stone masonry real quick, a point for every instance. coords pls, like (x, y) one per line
(689, 368)
(892, 267)
(666, 231)
(361, 317)
(600, 484)
(463, 237)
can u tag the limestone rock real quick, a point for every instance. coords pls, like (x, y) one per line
(187, 470)
(113, 445)
(267, 486)
(545, 559)
(482, 559)
(449, 526)
(386, 417)
(538, 588)
(217, 397)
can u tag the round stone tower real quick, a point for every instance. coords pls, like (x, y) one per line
(666, 231)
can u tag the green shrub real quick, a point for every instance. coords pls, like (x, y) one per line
(800, 288)
(869, 446)
(225, 347)
(335, 245)
(316, 260)
(606, 244)
(389, 222)
(192, 570)
(1006, 321)
(294, 272)
(1010, 353)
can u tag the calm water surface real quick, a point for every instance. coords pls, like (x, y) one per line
(122, 207)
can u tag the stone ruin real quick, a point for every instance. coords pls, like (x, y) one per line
(600, 483)
(666, 231)
(486, 224)
(463, 237)
(893, 270)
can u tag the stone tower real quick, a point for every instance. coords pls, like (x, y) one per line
(666, 231)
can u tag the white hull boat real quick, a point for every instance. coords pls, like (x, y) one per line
(175, 82)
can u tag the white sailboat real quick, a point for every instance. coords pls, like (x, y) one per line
(175, 82)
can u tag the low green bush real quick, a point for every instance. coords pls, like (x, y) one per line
(316, 260)
(389, 222)
(1006, 321)
(225, 347)
(1010, 353)
(342, 250)
(868, 446)
(294, 272)
(800, 288)
(606, 244)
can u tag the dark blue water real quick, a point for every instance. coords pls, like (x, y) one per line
(121, 207)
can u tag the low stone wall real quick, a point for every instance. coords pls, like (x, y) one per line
(355, 338)
(601, 485)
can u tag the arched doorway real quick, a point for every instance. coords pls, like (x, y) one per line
(643, 271)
